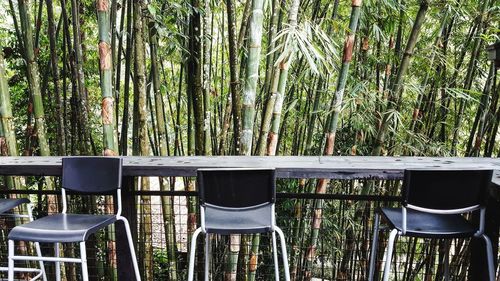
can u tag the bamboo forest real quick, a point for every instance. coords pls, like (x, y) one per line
(172, 78)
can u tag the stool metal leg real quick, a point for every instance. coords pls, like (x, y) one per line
(131, 247)
(83, 256)
(192, 253)
(275, 257)
(390, 247)
(37, 245)
(207, 256)
(11, 261)
(283, 252)
(489, 253)
(42, 267)
(373, 253)
(58, 264)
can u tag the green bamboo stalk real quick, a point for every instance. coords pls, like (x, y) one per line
(251, 76)
(397, 85)
(482, 112)
(195, 76)
(8, 142)
(234, 84)
(282, 68)
(167, 204)
(110, 140)
(84, 133)
(207, 40)
(34, 82)
(142, 146)
(248, 110)
(33, 77)
(270, 83)
(330, 133)
(55, 78)
(471, 71)
(6, 119)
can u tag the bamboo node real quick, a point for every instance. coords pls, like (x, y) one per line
(3, 146)
(107, 111)
(311, 253)
(348, 48)
(109, 152)
(102, 5)
(330, 139)
(105, 59)
(356, 3)
(253, 263)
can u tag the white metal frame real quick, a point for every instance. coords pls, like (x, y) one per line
(395, 233)
(41, 270)
(274, 229)
(83, 250)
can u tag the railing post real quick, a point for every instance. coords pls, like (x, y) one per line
(478, 270)
(123, 258)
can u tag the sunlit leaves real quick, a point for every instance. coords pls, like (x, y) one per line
(310, 41)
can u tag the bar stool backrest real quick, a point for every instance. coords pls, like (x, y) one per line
(445, 189)
(236, 188)
(92, 175)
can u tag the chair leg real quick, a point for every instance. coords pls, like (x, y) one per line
(207, 256)
(489, 253)
(275, 257)
(192, 254)
(37, 245)
(284, 253)
(83, 256)
(390, 247)
(58, 264)
(11, 261)
(373, 253)
(131, 247)
(42, 266)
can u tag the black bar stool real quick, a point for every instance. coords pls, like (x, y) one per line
(433, 205)
(83, 175)
(237, 201)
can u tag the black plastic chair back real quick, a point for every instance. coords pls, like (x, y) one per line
(96, 175)
(236, 188)
(445, 189)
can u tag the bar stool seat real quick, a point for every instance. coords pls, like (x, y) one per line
(9, 204)
(61, 228)
(221, 220)
(426, 225)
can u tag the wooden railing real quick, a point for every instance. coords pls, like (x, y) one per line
(340, 168)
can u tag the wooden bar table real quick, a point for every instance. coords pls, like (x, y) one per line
(332, 167)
